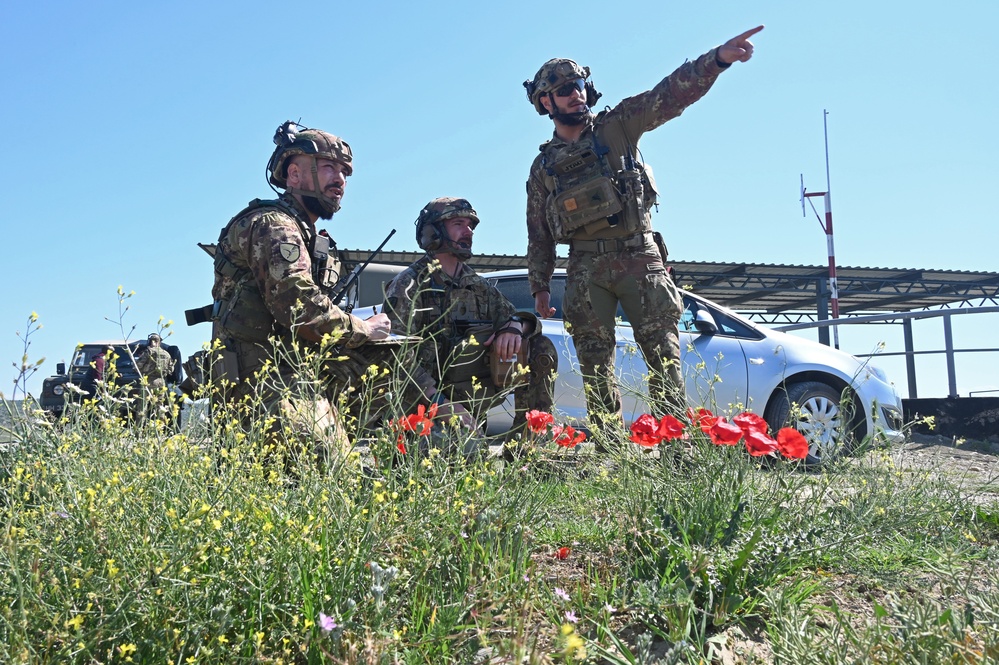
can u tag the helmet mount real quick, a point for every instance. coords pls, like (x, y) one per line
(293, 139)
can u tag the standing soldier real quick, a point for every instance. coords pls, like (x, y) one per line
(590, 189)
(273, 275)
(155, 363)
(441, 299)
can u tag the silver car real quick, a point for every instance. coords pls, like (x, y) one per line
(730, 365)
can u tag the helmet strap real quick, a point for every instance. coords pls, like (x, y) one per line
(328, 205)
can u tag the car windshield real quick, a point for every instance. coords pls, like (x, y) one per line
(85, 356)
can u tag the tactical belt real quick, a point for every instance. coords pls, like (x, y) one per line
(613, 244)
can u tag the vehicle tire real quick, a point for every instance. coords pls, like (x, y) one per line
(821, 416)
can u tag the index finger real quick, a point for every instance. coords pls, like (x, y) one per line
(749, 33)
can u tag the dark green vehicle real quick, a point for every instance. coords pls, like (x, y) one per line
(77, 382)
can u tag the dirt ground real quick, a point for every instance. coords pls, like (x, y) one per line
(971, 466)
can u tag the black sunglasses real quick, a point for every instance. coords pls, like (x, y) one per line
(567, 89)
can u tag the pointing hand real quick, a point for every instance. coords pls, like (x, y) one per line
(738, 48)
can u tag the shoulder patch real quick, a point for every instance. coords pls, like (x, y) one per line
(289, 251)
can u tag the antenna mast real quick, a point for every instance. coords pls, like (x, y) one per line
(827, 227)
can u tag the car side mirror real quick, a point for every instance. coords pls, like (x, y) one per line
(704, 322)
(60, 368)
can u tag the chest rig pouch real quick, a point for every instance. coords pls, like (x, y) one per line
(585, 194)
(461, 344)
(595, 190)
(327, 270)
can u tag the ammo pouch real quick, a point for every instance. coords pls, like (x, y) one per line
(469, 358)
(245, 316)
(587, 202)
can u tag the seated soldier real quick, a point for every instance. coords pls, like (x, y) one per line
(460, 316)
(273, 315)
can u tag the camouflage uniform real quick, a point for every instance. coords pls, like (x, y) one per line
(613, 255)
(272, 282)
(422, 300)
(156, 365)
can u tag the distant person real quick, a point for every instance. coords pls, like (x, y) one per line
(441, 299)
(590, 189)
(155, 363)
(95, 374)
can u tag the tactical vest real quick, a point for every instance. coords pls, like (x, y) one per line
(245, 315)
(595, 192)
(463, 317)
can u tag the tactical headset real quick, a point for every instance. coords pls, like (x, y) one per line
(552, 75)
(431, 235)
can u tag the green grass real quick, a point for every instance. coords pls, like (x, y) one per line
(123, 541)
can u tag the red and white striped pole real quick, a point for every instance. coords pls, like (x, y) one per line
(827, 226)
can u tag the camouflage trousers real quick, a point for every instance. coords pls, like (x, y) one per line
(535, 393)
(637, 280)
(310, 404)
(157, 403)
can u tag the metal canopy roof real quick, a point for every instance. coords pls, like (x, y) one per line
(772, 293)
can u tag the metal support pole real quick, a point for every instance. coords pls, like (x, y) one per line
(910, 358)
(822, 309)
(827, 227)
(833, 286)
(949, 350)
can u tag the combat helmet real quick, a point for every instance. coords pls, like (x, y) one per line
(292, 139)
(554, 74)
(431, 235)
(154, 336)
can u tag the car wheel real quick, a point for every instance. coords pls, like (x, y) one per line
(820, 417)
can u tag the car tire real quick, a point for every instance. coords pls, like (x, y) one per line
(822, 417)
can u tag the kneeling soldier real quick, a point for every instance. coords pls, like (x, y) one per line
(460, 316)
(274, 271)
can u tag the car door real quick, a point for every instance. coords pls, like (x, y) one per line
(715, 369)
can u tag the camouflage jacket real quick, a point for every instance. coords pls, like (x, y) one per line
(155, 363)
(618, 131)
(424, 301)
(273, 243)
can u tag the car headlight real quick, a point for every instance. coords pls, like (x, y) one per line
(892, 418)
(58, 390)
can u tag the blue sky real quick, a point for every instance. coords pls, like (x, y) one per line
(135, 130)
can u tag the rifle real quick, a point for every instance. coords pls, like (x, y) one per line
(338, 292)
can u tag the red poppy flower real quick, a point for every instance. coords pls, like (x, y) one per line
(567, 437)
(645, 431)
(759, 444)
(561, 553)
(791, 443)
(724, 433)
(670, 428)
(702, 418)
(751, 422)
(420, 422)
(538, 421)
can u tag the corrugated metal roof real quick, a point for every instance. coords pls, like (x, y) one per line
(775, 292)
